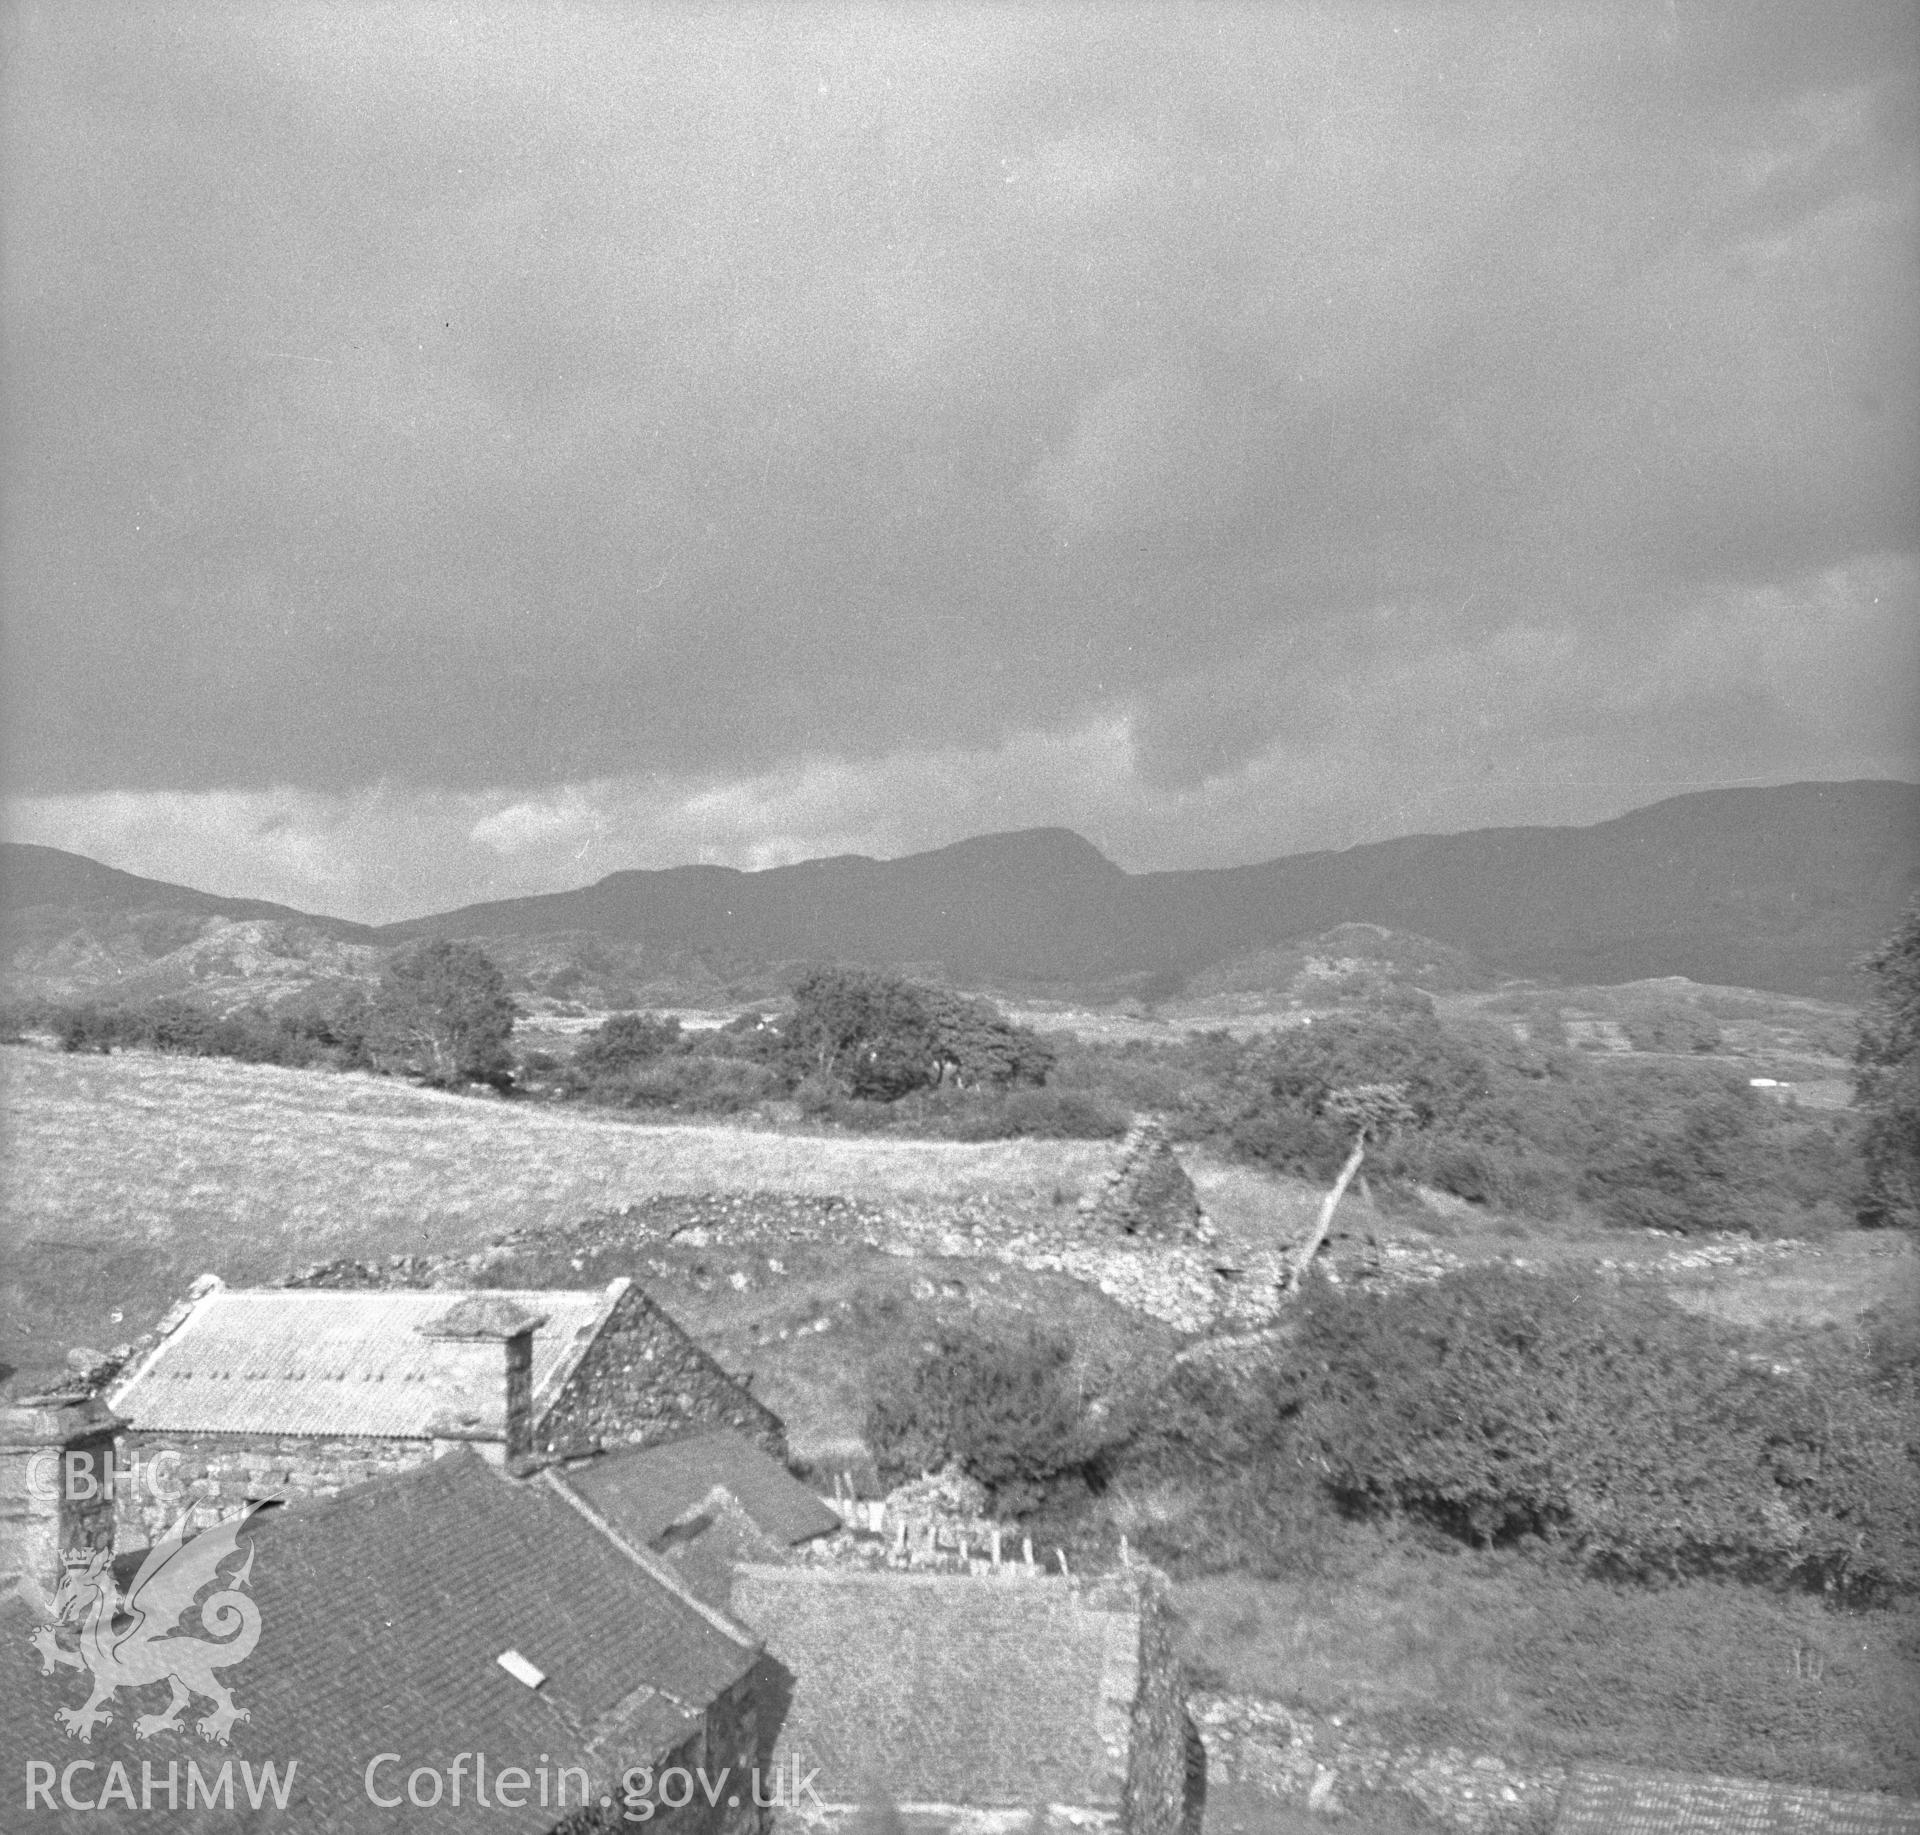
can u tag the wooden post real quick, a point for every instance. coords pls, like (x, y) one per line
(1324, 1222)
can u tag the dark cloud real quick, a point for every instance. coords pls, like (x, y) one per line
(500, 397)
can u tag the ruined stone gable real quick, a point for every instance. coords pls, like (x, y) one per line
(1148, 1192)
(643, 1380)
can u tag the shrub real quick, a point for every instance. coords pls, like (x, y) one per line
(1705, 1168)
(1502, 1406)
(689, 1082)
(1007, 1405)
(618, 1044)
(1886, 1078)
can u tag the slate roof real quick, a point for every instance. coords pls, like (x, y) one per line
(643, 1491)
(1605, 1800)
(937, 1688)
(322, 1362)
(383, 1616)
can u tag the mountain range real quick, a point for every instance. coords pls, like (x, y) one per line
(1779, 888)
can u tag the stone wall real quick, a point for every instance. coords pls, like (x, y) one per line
(160, 1475)
(1319, 1760)
(1166, 1788)
(643, 1380)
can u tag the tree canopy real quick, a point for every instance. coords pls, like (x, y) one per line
(443, 1012)
(879, 1036)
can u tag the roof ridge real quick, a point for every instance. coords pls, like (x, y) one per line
(663, 1576)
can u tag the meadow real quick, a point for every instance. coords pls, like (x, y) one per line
(126, 1176)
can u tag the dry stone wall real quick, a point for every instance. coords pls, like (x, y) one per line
(1321, 1761)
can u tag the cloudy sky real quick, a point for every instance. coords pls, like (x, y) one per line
(455, 450)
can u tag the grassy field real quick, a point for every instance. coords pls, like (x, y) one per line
(124, 1177)
(1490, 1654)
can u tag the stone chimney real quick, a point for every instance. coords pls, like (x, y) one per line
(56, 1485)
(488, 1397)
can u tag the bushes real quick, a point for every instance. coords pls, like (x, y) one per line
(620, 1043)
(1886, 1078)
(1006, 1405)
(253, 1036)
(1701, 1169)
(690, 1083)
(1500, 1406)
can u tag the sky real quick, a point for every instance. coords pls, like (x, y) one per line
(454, 451)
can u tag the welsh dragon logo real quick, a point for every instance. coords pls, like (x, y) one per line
(133, 1642)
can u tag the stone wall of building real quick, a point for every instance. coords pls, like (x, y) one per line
(160, 1475)
(56, 1458)
(643, 1380)
(1166, 1788)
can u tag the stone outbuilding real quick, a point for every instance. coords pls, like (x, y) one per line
(949, 1695)
(303, 1392)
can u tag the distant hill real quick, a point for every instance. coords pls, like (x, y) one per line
(1780, 888)
(70, 926)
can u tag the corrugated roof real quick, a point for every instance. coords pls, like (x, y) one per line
(1606, 1800)
(941, 1688)
(383, 1614)
(317, 1361)
(642, 1491)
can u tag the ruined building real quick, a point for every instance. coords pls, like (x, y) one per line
(1148, 1192)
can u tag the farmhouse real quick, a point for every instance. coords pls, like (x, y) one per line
(444, 1649)
(297, 1392)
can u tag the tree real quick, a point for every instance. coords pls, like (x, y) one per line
(443, 1013)
(1375, 1109)
(1886, 1078)
(974, 1046)
(867, 1031)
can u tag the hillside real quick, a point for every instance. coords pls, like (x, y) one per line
(70, 926)
(1777, 888)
